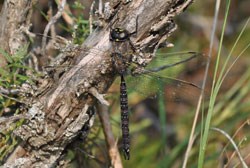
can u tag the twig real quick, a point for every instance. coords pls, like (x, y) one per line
(111, 143)
(12, 98)
(91, 13)
(66, 15)
(50, 14)
(247, 122)
(99, 96)
(9, 91)
(245, 158)
(27, 32)
(100, 8)
(13, 118)
(33, 62)
(233, 143)
(51, 22)
(86, 153)
(190, 144)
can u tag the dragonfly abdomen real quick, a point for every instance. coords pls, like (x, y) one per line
(124, 118)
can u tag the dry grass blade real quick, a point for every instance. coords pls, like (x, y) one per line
(244, 165)
(203, 86)
(110, 139)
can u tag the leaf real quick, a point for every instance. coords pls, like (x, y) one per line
(6, 56)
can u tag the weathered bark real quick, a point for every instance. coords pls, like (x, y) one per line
(60, 105)
(14, 20)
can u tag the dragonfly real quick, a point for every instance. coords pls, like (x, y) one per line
(124, 69)
(120, 35)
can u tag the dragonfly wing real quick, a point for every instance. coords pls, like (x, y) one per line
(154, 80)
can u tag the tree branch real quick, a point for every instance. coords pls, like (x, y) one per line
(60, 106)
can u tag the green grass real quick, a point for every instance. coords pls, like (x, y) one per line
(218, 78)
(214, 93)
(12, 77)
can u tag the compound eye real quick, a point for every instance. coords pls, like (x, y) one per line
(122, 35)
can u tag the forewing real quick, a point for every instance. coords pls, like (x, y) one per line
(163, 76)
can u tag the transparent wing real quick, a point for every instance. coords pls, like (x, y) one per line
(165, 75)
(168, 60)
(150, 85)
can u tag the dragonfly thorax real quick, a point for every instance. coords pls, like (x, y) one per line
(120, 63)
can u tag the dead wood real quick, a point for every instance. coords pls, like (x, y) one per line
(60, 107)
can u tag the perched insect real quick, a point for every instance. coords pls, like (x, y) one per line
(122, 35)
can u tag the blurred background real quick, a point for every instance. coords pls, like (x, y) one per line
(162, 110)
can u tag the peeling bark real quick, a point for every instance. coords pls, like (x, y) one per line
(60, 106)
